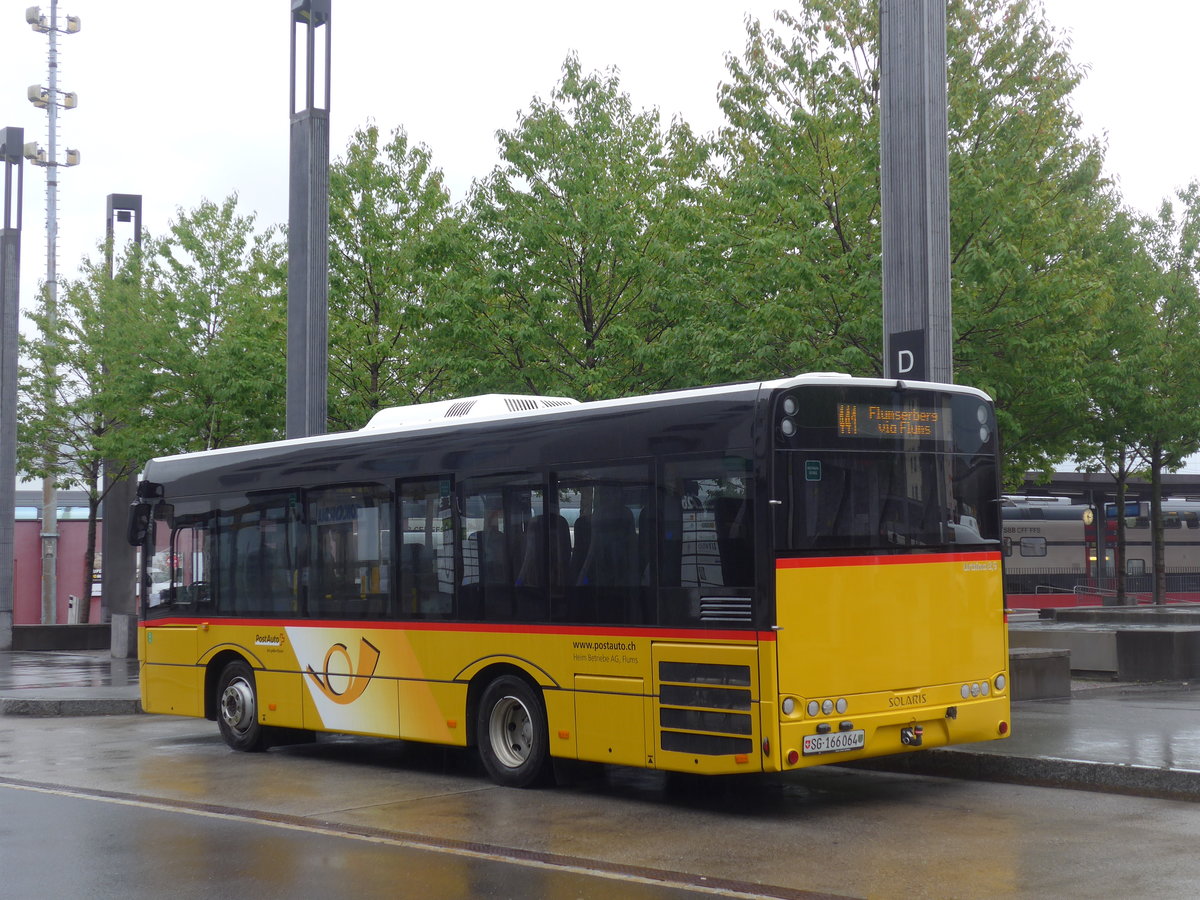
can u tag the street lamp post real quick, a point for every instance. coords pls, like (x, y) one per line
(118, 577)
(12, 145)
(51, 99)
(308, 221)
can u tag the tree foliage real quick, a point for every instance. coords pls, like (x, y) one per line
(577, 247)
(390, 229)
(608, 254)
(1170, 427)
(795, 251)
(1029, 208)
(68, 420)
(212, 351)
(180, 349)
(800, 226)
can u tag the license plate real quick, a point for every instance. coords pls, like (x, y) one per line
(834, 742)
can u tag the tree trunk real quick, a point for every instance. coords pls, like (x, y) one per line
(89, 560)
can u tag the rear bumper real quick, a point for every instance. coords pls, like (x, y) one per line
(894, 731)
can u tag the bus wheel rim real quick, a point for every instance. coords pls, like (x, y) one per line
(237, 704)
(510, 730)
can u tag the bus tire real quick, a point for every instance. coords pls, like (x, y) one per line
(514, 742)
(237, 709)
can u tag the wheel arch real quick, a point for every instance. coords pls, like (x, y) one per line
(478, 684)
(212, 676)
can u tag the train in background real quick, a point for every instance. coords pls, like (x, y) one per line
(1059, 552)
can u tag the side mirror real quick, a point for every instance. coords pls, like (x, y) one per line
(139, 523)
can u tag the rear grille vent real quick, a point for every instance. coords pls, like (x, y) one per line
(705, 708)
(725, 609)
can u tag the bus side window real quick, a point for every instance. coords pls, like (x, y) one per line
(708, 535)
(495, 526)
(426, 549)
(257, 555)
(608, 579)
(349, 532)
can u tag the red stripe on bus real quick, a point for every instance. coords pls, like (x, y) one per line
(472, 627)
(824, 562)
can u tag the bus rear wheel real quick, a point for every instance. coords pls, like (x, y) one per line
(237, 709)
(514, 742)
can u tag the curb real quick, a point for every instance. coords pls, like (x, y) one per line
(1109, 778)
(43, 708)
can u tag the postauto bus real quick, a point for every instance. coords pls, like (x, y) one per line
(744, 578)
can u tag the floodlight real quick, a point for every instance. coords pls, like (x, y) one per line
(33, 15)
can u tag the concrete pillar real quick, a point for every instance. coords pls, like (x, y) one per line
(118, 560)
(12, 143)
(308, 221)
(914, 181)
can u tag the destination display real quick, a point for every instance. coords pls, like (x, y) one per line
(873, 420)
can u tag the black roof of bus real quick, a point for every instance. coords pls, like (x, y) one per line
(695, 420)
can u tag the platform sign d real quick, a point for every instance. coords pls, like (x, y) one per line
(907, 356)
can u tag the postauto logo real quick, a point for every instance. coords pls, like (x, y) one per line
(331, 684)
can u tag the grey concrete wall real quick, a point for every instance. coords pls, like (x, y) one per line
(1158, 654)
(1039, 674)
(61, 637)
(1092, 650)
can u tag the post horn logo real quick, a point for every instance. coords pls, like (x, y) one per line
(368, 659)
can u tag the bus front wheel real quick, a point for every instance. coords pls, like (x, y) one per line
(514, 743)
(237, 709)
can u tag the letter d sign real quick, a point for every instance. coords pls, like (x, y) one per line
(906, 355)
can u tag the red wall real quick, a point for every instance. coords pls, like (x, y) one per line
(27, 577)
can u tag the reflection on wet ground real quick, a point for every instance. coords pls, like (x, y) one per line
(20, 670)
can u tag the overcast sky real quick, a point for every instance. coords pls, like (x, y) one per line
(179, 102)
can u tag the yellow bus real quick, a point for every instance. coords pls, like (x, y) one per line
(743, 578)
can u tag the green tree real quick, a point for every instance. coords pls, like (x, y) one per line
(213, 333)
(70, 390)
(797, 248)
(578, 246)
(391, 226)
(1113, 374)
(1029, 211)
(1170, 378)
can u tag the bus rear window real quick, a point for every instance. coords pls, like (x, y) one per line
(885, 501)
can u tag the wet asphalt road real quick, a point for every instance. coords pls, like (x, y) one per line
(120, 848)
(228, 824)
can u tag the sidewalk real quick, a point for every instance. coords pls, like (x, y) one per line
(1121, 738)
(1115, 737)
(67, 683)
